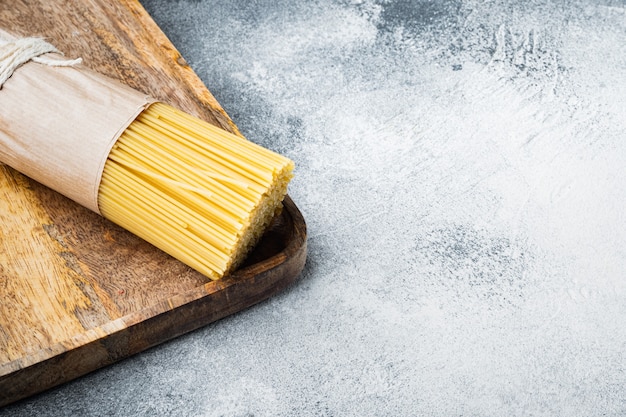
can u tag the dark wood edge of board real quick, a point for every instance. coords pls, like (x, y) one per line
(280, 265)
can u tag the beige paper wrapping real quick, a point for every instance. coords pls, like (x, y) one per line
(58, 125)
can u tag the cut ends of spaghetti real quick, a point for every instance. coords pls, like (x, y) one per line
(199, 193)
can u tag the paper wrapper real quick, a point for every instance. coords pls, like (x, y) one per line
(58, 125)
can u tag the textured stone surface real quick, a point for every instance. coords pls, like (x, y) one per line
(461, 167)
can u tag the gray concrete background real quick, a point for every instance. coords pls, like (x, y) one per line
(460, 165)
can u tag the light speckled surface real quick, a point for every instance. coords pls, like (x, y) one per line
(461, 167)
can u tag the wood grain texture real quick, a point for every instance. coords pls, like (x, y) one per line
(77, 292)
(120, 40)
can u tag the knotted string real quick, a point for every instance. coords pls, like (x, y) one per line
(14, 53)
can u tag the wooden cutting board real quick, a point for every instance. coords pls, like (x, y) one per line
(76, 292)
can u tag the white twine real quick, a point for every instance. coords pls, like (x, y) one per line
(14, 53)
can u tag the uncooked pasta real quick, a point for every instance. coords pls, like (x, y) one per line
(197, 192)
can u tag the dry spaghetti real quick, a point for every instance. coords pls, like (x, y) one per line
(197, 192)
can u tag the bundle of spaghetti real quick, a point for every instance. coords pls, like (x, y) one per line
(197, 192)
